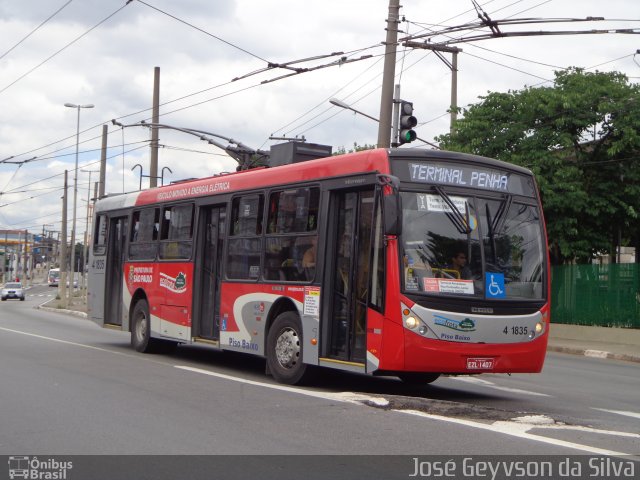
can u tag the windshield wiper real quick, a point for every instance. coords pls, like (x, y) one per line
(496, 223)
(459, 221)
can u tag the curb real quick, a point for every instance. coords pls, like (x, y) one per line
(594, 353)
(74, 313)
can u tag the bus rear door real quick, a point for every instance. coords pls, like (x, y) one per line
(206, 318)
(117, 236)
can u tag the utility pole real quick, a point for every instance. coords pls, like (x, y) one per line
(388, 78)
(103, 160)
(153, 166)
(25, 263)
(453, 66)
(62, 285)
(86, 236)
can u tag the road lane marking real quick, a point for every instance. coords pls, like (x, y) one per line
(488, 384)
(520, 430)
(67, 342)
(619, 412)
(346, 397)
(516, 428)
(511, 428)
(596, 354)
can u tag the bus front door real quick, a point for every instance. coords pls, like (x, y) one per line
(208, 273)
(348, 260)
(117, 236)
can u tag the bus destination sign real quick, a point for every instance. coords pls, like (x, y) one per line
(459, 175)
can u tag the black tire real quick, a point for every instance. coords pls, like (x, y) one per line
(418, 378)
(4, 299)
(22, 299)
(284, 349)
(141, 340)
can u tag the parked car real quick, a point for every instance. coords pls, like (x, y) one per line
(12, 290)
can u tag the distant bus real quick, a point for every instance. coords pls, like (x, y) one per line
(54, 277)
(400, 262)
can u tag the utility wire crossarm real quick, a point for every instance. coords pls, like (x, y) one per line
(494, 25)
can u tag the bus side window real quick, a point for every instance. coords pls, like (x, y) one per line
(176, 231)
(100, 236)
(292, 220)
(243, 260)
(143, 237)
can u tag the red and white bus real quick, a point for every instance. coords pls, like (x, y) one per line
(403, 262)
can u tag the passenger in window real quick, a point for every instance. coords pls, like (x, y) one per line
(459, 267)
(309, 257)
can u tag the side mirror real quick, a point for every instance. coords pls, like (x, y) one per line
(391, 204)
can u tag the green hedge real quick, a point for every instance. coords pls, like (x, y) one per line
(602, 295)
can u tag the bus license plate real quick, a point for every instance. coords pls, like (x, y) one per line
(480, 363)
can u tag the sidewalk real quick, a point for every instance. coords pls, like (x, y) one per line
(599, 342)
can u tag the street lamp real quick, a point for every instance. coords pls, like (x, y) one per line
(341, 104)
(75, 196)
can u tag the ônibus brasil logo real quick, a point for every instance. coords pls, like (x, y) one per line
(176, 285)
(34, 468)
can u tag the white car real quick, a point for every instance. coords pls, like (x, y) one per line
(12, 290)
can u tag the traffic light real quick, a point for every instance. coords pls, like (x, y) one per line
(407, 122)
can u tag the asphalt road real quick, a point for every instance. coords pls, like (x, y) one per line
(71, 388)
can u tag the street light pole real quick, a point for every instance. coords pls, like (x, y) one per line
(75, 197)
(341, 104)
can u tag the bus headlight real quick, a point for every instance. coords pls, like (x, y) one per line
(411, 322)
(539, 328)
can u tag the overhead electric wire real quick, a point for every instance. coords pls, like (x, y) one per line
(63, 48)
(95, 162)
(35, 29)
(203, 31)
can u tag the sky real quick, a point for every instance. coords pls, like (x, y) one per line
(214, 57)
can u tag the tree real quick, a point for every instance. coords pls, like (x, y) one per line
(581, 137)
(356, 148)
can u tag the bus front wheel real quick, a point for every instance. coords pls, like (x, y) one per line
(284, 349)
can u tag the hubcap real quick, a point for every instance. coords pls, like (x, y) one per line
(288, 348)
(141, 328)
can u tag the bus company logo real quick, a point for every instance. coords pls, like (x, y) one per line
(466, 325)
(34, 468)
(175, 285)
(131, 273)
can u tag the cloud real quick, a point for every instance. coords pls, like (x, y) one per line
(112, 68)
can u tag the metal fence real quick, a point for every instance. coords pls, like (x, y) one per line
(602, 295)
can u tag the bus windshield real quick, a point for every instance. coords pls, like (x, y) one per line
(472, 246)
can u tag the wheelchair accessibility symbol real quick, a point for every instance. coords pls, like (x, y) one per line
(494, 285)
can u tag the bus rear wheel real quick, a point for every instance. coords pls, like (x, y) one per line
(141, 339)
(418, 378)
(284, 349)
